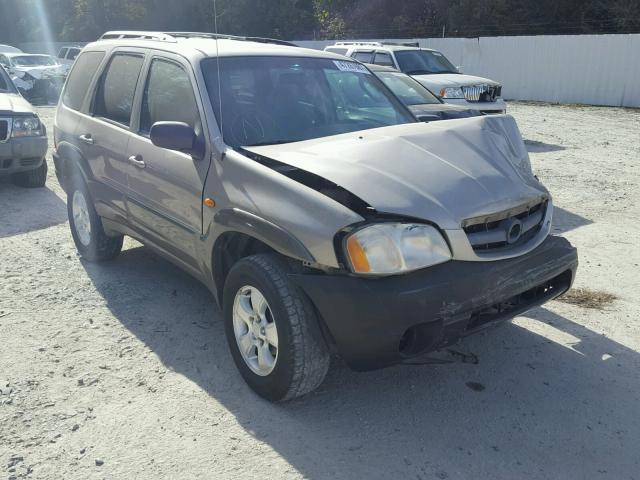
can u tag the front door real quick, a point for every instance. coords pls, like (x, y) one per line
(165, 186)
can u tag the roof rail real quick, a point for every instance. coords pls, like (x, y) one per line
(380, 44)
(134, 35)
(369, 44)
(173, 36)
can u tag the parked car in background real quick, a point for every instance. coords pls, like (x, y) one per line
(37, 77)
(67, 55)
(23, 139)
(432, 69)
(321, 215)
(9, 49)
(422, 103)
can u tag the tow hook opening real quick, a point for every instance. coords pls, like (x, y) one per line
(419, 338)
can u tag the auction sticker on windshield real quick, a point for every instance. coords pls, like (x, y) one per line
(351, 67)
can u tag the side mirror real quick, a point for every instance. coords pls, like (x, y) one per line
(173, 136)
(459, 68)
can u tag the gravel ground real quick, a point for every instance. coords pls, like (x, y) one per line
(122, 370)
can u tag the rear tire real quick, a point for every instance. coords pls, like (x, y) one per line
(33, 178)
(301, 359)
(86, 226)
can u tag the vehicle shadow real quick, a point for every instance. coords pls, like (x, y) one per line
(531, 408)
(565, 221)
(24, 210)
(534, 146)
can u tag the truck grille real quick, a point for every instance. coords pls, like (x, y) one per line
(482, 93)
(505, 230)
(4, 129)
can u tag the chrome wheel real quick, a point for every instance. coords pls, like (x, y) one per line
(255, 330)
(81, 220)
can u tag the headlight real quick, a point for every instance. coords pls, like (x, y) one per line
(26, 127)
(390, 248)
(452, 92)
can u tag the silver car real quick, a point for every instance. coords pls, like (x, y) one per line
(23, 138)
(321, 215)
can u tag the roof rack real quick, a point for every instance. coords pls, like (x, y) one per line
(380, 44)
(173, 37)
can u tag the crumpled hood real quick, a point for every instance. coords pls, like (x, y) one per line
(437, 81)
(11, 103)
(39, 72)
(444, 172)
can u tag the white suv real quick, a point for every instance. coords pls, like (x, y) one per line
(432, 69)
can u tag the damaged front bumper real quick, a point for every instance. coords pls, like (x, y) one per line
(379, 322)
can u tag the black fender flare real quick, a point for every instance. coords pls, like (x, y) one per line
(282, 241)
(70, 160)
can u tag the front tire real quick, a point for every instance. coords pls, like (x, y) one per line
(33, 178)
(272, 330)
(86, 226)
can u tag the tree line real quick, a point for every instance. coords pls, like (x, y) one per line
(84, 20)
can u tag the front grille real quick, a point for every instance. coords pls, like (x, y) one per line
(482, 93)
(4, 129)
(505, 230)
(27, 162)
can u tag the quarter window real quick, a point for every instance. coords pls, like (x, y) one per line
(114, 96)
(79, 79)
(168, 96)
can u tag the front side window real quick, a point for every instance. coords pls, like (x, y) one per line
(114, 96)
(383, 58)
(62, 52)
(168, 96)
(407, 89)
(79, 79)
(364, 57)
(423, 62)
(270, 100)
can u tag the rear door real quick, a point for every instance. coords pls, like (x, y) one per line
(165, 186)
(103, 135)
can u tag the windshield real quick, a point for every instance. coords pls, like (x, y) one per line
(408, 90)
(32, 61)
(420, 62)
(270, 100)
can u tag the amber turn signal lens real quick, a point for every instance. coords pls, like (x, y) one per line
(209, 202)
(357, 256)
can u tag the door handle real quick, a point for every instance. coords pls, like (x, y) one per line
(87, 138)
(137, 161)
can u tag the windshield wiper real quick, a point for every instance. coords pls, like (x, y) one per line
(265, 144)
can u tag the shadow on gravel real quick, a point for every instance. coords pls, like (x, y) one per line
(565, 221)
(533, 146)
(532, 408)
(24, 210)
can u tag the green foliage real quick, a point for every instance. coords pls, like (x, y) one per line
(84, 20)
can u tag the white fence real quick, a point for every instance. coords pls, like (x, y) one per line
(588, 69)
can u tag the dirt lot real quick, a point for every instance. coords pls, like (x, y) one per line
(122, 370)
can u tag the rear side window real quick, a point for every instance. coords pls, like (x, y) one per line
(80, 78)
(168, 96)
(73, 53)
(62, 52)
(384, 59)
(364, 57)
(114, 95)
